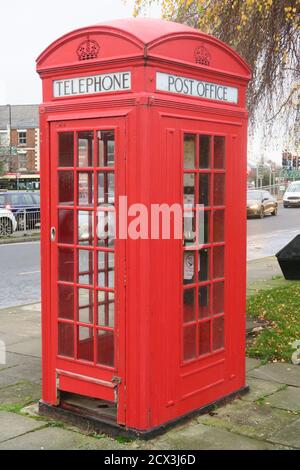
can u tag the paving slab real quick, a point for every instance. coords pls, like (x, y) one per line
(260, 389)
(201, 437)
(289, 435)
(12, 425)
(252, 363)
(15, 359)
(283, 373)
(7, 378)
(21, 393)
(30, 347)
(288, 399)
(30, 372)
(55, 438)
(258, 421)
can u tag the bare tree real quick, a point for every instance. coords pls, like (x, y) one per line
(266, 33)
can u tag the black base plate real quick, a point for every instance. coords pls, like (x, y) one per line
(102, 425)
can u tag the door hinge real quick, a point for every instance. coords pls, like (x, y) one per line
(116, 380)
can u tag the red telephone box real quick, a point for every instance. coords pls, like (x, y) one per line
(143, 329)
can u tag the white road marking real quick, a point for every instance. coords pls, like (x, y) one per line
(29, 272)
(18, 244)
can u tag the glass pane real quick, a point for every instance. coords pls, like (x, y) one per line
(206, 226)
(106, 269)
(106, 188)
(189, 151)
(189, 228)
(85, 189)
(204, 338)
(106, 348)
(85, 149)
(106, 148)
(188, 305)
(85, 267)
(218, 263)
(65, 264)
(219, 219)
(218, 298)
(66, 188)
(188, 267)
(106, 309)
(66, 226)
(189, 342)
(66, 149)
(85, 228)
(203, 265)
(218, 333)
(204, 189)
(85, 344)
(219, 152)
(85, 305)
(204, 301)
(106, 228)
(189, 189)
(66, 302)
(65, 339)
(219, 189)
(205, 151)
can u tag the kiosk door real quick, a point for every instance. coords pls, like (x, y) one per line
(87, 280)
(212, 258)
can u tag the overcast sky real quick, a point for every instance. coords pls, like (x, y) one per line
(27, 27)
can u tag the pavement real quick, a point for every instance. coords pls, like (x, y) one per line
(268, 417)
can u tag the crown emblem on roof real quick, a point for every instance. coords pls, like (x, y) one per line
(88, 49)
(202, 55)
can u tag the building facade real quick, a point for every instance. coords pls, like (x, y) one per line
(19, 140)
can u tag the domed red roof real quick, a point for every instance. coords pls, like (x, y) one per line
(148, 29)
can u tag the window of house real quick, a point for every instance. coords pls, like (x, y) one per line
(4, 141)
(22, 137)
(22, 160)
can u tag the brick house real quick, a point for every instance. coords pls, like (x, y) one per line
(19, 138)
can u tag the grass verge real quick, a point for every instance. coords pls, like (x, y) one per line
(280, 309)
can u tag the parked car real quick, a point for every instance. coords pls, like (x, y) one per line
(260, 203)
(8, 223)
(25, 205)
(291, 197)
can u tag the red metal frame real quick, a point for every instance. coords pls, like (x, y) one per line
(156, 384)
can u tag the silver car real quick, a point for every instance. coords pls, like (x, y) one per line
(8, 223)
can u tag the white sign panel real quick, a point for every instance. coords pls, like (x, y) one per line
(198, 88)
(110, 82)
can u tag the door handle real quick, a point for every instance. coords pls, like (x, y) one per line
(53, 234)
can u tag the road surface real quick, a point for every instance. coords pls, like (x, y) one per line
(20, 273)
(20, 269)
(267, 236)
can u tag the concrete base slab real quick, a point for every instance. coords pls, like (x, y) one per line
(100, 425)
